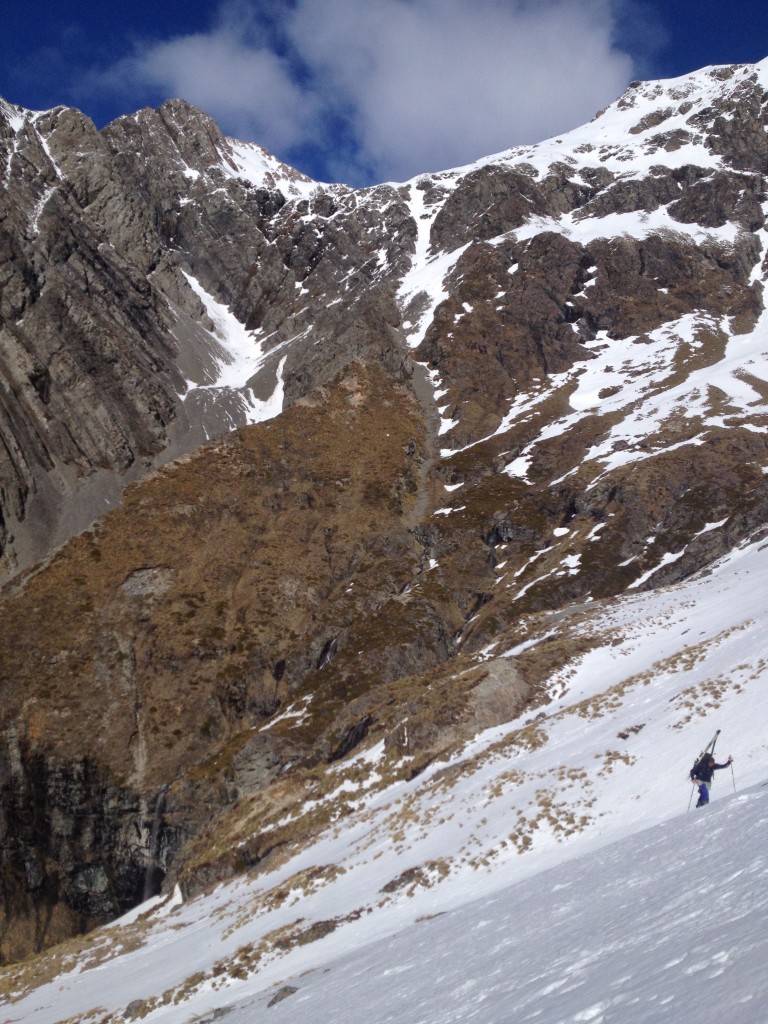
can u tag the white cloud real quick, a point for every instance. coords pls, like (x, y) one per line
(246, 87)
(391, 88)
(230, 73)
(433, 83)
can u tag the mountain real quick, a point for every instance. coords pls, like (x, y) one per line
(382, 465)
(553, 868)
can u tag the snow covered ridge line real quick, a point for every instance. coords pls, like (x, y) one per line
(625, 719)
(14, 115)
(19, 116)
(647, 110)
(263, 169)
(628, 141)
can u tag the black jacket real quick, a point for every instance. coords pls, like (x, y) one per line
(703, 772)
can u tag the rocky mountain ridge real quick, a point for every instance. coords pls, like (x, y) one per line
(478, 402)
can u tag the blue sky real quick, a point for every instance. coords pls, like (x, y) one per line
(367, 90)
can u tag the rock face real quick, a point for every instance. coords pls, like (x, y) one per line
(116, 249)
(356, 444)
(107, 843)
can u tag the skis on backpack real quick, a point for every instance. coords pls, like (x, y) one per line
(710, 749)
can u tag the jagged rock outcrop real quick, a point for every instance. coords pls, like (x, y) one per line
(476, 400)
(102, 333)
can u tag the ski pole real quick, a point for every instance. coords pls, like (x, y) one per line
(690, 797)
(733, 776)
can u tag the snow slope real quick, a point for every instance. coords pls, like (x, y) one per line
(235, 356)
(550, 871)
(665, 925)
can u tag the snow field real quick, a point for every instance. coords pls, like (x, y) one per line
(414, 857)
(667, 924)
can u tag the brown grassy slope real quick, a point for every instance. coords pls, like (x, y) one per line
(206, 599)
(282, 570)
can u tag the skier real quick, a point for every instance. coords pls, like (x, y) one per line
(701, 776)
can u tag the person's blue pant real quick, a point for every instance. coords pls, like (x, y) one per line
(703, 795)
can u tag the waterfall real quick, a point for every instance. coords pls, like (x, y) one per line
(153, 874)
